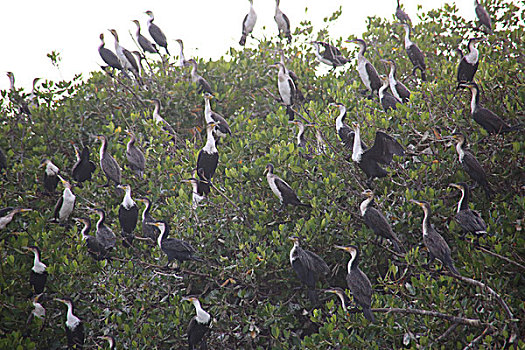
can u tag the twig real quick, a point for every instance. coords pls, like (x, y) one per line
(501, 257)
(447, 332)
(456, 319)
(478, 338)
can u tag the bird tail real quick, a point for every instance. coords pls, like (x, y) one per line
(423, 75)
(397, 246)
(243, 40)
(452, 269)
(128, 239)
(290, 113)
(367, 312)
(513, 128)
(488, 191)
(305, 205)
(197, 258)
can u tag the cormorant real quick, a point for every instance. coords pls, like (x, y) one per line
(436, 245)
(15, 97)
(414, 53)
(200, 82)
(126, 57)
(343, 298)
(198, 326)
(286, 89)
(65, 204)
(182, 59)
(483, 16)
(38, 310)
(283, 23)
(401, 15)
(108, 56)
(50, 175)
(471, 165)
(358, 282)
(139, 57)
(248, 23)
(83, 168)
(208, 159)
(399, 90)
(161, 121)
(469, 220)
(222, 128)
(136, 159)
(108, 164)
(157, 34)
(308, 266)
(144, 43)
(468, 65)
(377, 222)
(198, 188)
(94, 247)
(388, 101)
(38, 276)
(74, 326)
(301, 141)
(282, 190)
(174, 248)
(7, 214)
(149, 231)
(104, 235)
(330, 56)
(366, 70)
(346, 134)
(299, 97)
(385, 146)
(110, 340)
(128, 214)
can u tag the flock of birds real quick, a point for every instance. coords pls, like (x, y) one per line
(307, 265)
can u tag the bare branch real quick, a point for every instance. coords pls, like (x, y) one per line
(456, 319)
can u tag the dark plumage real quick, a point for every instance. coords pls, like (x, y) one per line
(148, 231)
(345, 133)
(136, 159)
(283, 23)
(156, 33)
(282, 190)
(50, 175)
(330, 55)
(94, 247)
(483, 16)
(366, 70)
(108, 164)
(388, 101)
(3, 161)
(468, 65)
(108, 56)
(401, 15)
(202, 84)
(198, 326)
(38, 275)
(128, 214)
(208, 159)
(399, 90)
(74, 326)
(414, 53)
(126, 58)
(144, 43)
(83, 168)
(104, 235)
(469, 220)
(248, 23)
(222, 128)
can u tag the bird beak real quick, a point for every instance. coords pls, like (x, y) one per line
(23, 210)
(341, 247)
(187, 299)
(416, 202)
(454, 185)
(152, 224)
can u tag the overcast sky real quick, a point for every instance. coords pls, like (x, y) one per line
(33, 28)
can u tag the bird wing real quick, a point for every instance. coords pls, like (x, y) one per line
(111, 166)
(490, 120)
(57, 207)
(471, 221)
(204, 85)
(416, 56)
(136, 158)
(385, 146)
(316, 263)
(223, 124)
(131, 59)
(360, 287)
(473, 168)
(437, 246)
(157, 35)
(284, 188)
(292, 90)
(147, 45)
(375, 220)
(375, 82)
(110, 58)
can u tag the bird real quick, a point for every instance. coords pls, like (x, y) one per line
(94, 247)
(16, 98)
(308, 266)
(139, 58)
(128, 214)
(198, 327)
(174, 248)
(50, 175)
(201, 83)
(366, 70)
(222, 128)
(182, 59)
(7, 214)
(136, 159)
(38, 310)
(126, 57)
(471, 165)
(358, 282)
(385, 146)
(414, 53)
(388, 101)
(283, 23)
(343, 298)
(111, 341)
(149, 231)
(282, 190)
(488, 120)
(435, 243)
(144, 43)
(286, 88)
(74, 326)
(83, 168)
(468, 65)
(156, 33)
(399, 90)
(38, 276)
(109, 56)
(469, 220)
(401, 15)
(248, 23)
(198, 188)
(299, 96)
(330, 56)
(65, 204)
(483, 16)
(377, 222)
(208, 159)
(161, 121)
(301, 141)
(345, 133)
(108, 164)
(104, 234)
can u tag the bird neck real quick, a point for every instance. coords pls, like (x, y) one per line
(382, 89)
(463, 202)
(146, 210)
(103, 148)
(137, 33)
(426, 221)
(156, 112)
(194, 69)
(475, 99)
(210, 142)
(100, 221)
(408, 42)
(72, 321)
(12, 82)
(342, 298)
(130, 144)
(67, 195)
(300, 134)
(357, 150)
(102, 44)
(161, 236)
(51, 169)
(38, 266)
(362, 50)
(364, 205)
(202, 316)
(352, 264)
(340, 118)
(293, 251)
(207, 110)
(459, 149)
(85, 231)
(392, 73)
(127, 202)
(473, 54)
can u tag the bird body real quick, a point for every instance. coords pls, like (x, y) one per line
(202, 84)
(483, 16)
(222, 128)
(108, 56)
(401, 15)
(414, 53)
(65, 204)
(198, 326)
(136, 159)
(366, 70)
(388, 101)
(38, 276)
(128, 214)
(283, 23)
(94, 247)
(149, 231)
(247, 24)
(74, 326)
(174, 248)
(182, 59)
(83, 168)
(7, 214)
(156, 33)
(330, 55)
(208, 159)
(399, 90)
(286, 88)
(144, 43)
(161, 121)
(198, 188)
(282, 190)
(468, 65)
(125, 57)
(469, 220)
(108, 164)
(104, 234)
(50, 175)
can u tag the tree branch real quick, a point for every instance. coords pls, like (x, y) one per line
(456, 319)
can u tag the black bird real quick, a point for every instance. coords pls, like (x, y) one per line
(414, 53)
(358, 282)
(38, 276)
(282, 190)
(483, 16)
(148, 231)
(471, 165)
(343, 298)
(208, 159)
(108, 164)
(94, 247)
(248, 23)
(283, 23)
(287, 90)
(377, 222)
(488, 120)
(144, 43)
(104, 234)
(301, 141)
(468, 65)
(7, 214)
(201, 83)
(399, 90)
(388, 101)
(346, 134)
(83, 168)
(366, 70)
(50, 175)
(436, 245)
(174, 248)
(308, 266)
(198, 187)
(108, 56)
(383, 150)
(136, 159)
(330, 55)
(401, 15)
(469, 220)
(198, 326)
(128, 214)
(65, 204)
(74, 326)
(222, 128)
(157, 34)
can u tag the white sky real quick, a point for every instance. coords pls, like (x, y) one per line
(33, 28)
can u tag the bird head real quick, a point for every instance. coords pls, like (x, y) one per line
(44, 163)
(423, 204)
(64, 182)
(208, 96)
(355, 126)
(32, 249)
(460, 185)
(352, 249)
(269, 168)
(149, 13)
(335, 290)
(294, 239)
(136, 22)
(368, 193)
(459, 137)
(114, 33)
(65, 300)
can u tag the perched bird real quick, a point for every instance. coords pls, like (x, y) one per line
(301, 141)
(469, 220)
(388, 101)
(157, 34)
(282, 190)
(128, 214)
(283, 23)
(286, 88)
(104, 234)
(383, 150)
(108, 164)
(308, 266)
(248, 23)
(144, 43)
(38, 276)
(468, 65)
(345, 133)
(182, 59)
(436, 245)
(7, 214)
(108, 56)
(366, 70)
(471, 165)
(343, 298)
(401, 15)
(174, 248)
(399, 90)
(330, 55)
(38, 310)
(83, 168)
(50, 175)
(414, 53)
(136, 159)
(198, 188)
(74, 326)
(198, 326)
(208, 159)
(161, 121)
(201, 83)
(94, 247)
(149, 231)
(483, 16)
(126, 58)
(65, 204)
(377, 222)
(299, 96)
(16, 98)
(139, 57)
(358, 282)
(222, 128)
